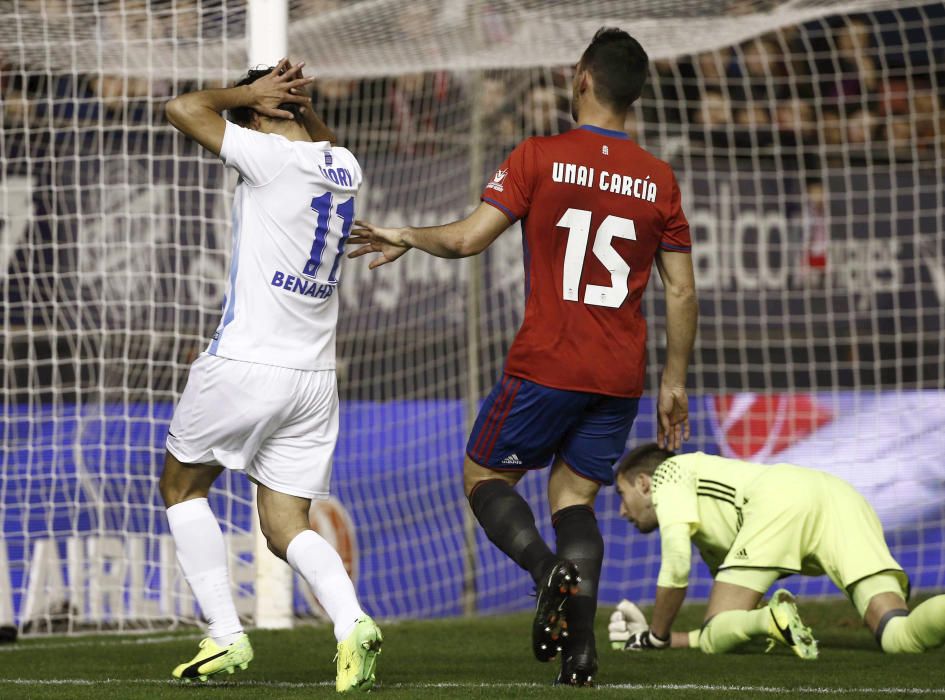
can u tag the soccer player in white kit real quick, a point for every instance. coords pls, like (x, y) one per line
(263, 397)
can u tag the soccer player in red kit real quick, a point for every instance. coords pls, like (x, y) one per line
(596, 211)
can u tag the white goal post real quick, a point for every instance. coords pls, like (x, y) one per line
(808, 137)
(266, 44)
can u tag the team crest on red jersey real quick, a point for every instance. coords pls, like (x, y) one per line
(496, 183)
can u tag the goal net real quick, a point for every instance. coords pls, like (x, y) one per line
(808, 138)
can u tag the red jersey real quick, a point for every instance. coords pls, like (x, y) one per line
(595, 207)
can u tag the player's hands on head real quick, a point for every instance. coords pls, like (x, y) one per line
(283, 84)
(389, 242)
(672, 408)
(626, 621)
(304, 93)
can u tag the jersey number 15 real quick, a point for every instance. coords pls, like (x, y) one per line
(578, 223)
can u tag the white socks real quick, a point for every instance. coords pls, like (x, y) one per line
(321, 567)
(201, 553)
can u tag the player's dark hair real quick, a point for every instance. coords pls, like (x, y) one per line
(619, 66)
(243, 116)
(642, 460)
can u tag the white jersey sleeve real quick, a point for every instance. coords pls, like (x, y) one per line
(257, 157)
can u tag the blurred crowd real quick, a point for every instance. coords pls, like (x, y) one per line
(808, 95)
(813, 92)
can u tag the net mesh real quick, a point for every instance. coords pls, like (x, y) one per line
(808, 140)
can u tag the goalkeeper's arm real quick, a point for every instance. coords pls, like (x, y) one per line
(673, 580)
(628, 625)
(671, 587)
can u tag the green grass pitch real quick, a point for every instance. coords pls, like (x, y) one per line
(478, 658)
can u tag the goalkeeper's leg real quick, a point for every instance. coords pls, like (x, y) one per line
(880, 600)
(201, 553)
(731, 617)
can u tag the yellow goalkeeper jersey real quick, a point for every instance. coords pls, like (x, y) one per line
(784, 517)
(707, 493)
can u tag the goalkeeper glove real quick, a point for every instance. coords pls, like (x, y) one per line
(644, 641)
(625, 621)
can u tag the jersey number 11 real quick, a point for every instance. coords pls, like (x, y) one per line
(327, 231)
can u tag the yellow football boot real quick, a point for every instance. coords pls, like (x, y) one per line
(212, 659)
(786, 626)
(357, 657)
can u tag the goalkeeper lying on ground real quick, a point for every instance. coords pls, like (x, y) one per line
(754, 524)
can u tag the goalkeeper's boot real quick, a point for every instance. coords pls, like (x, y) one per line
(578, 667)
(550, 626)
(357, 657)
(786, 626)
(212, 659)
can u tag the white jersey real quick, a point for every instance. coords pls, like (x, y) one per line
(292, 213)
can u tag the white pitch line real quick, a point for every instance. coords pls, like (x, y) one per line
(710, 688)
(777, 690)
(7, 648)
(156, 681)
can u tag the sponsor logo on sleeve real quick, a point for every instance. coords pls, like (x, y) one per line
(497, 180)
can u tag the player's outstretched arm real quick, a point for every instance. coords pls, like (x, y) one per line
(459, 239)
(199, 114)
(682, 313)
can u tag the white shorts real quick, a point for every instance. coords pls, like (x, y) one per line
(280, 425)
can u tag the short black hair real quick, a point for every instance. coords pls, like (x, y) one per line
(243, 116)
(642, 460)
(619, 66)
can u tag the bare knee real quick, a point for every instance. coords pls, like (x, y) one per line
(281, 518)
(277, 546)
(182, 482)
(474, 474)
(568, 488)
(280, 532)
(726, 596)
(879, 608)
(170, 491)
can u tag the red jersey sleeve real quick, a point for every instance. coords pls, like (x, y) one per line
(676, 236)
(511, 188)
